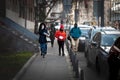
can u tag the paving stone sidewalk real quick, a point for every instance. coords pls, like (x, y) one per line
(52, 67)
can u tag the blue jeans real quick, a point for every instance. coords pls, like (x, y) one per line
(43, 47)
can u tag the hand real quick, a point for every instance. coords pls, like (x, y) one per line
(46, 34)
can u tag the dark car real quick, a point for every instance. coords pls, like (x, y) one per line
(98, 50)
(82, 38)
(114, 60)
(92, 32)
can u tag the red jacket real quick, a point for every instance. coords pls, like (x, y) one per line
(60, 35)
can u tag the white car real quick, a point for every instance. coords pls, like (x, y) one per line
(57, 27)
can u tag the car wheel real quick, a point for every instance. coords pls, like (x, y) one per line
(97, 66)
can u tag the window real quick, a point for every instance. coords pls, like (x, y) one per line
(108, 39)
(97, 38)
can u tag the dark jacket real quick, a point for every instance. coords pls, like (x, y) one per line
(42, 36)
(52, 33)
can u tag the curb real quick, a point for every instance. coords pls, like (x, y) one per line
(24, 68)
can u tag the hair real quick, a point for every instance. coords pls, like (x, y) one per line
(41, 26)
(75, 24)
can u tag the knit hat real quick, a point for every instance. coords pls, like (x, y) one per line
(61, 26)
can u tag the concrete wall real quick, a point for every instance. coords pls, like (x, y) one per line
(15, 17)
(10, 42)
(2, 8)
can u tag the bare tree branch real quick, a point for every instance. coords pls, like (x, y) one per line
(46, 4)
(50, 8)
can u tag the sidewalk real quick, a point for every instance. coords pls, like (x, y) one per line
(52, 67)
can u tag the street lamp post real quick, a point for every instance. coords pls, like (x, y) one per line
(99, 11)
(102, 13)
(67, 9)
(110, 10)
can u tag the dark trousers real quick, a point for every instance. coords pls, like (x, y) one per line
(43, 47)
(61, 47)
(52, 43)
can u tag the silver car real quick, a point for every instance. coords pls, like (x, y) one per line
(98, 50)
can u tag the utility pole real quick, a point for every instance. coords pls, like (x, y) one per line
(110, 11)
(102, 13)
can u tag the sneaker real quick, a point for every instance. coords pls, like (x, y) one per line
(63, 54)
(43, 56)
(59, 54)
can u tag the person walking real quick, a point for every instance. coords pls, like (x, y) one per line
(114, 60)
(43, 34)
(75, 33)
(52, 34)
(61, 37)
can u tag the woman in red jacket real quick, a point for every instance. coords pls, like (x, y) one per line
(61, 37)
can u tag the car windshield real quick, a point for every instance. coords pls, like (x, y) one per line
(108, 39)
(84, 31)
(100, 29)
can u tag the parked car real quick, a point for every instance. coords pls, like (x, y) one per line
(87, 23)
(80, 26)
(98, 50)
(92, 32)
(57, 25)
(114, 60)
(83, 37)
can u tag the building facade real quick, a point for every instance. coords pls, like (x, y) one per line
(87, 11)
(115, 13)
(21, 12)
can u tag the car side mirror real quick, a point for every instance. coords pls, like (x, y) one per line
(93, 43)
(86, 37)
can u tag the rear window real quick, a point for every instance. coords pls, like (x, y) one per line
(109, 39)
(84, 32)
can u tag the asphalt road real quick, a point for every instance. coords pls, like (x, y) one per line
(89, 73)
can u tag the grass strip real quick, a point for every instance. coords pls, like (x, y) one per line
(11, 63)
